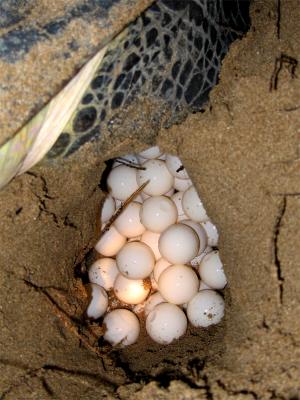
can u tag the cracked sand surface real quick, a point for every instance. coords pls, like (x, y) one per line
(243, 155)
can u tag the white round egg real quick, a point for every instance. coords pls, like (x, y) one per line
(205, 309)
(159, 267)
(152, 302)
(151, 239)
(165, 323)
(178, 284)
(121, 327)
(157, 213)
(99, 302)
(176, 167)
(179, 244)
(193, 206)
(211, 233)
(131, 291)
(103, 272)
(128, 222)
(161, 181)
(122, 182)
(151, 153)
(182, 184)
(135, 260)
(110, 242)
(211, 271)
(108, 208)
(200, 232)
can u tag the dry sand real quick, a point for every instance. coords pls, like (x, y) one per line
(243, 155)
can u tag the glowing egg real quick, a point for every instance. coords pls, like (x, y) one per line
(131, 291)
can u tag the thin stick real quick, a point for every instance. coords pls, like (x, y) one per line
(123, 207)
(129, 163)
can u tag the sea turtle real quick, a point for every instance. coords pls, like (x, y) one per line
(172, 52)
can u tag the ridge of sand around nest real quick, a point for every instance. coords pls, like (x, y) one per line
(243, 156)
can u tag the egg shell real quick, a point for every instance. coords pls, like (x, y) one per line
(110, 243)
(128, 222)
(211, 271)
(157, 213)
(175, 166)
(131, 291)
(122, 182)
(193, 206)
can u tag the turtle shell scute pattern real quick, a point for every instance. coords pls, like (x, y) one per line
(173, 51)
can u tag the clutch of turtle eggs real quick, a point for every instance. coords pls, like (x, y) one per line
(157, 253)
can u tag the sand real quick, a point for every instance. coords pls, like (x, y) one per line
(243, 156)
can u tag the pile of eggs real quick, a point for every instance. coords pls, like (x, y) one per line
(158, 258)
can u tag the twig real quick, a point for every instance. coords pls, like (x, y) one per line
(123, 207)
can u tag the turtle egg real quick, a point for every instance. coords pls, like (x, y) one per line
(122, 327)
(122, 182)
(103, 272)
(108, 208)
(178, 284)
(131, 291)
(152, 302)
(211, 233)
(99, 302)
(175, 167)
(152, 152)
(211, 271)
(110, 243)
(158, 212)
(179, 244)
(206, 308)
(151, 239)
(182, 184)
(128, 222)
(200, 232)
(135, 260)
(161, 181)
(165, 323)
(193, 206)
(159, 267)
